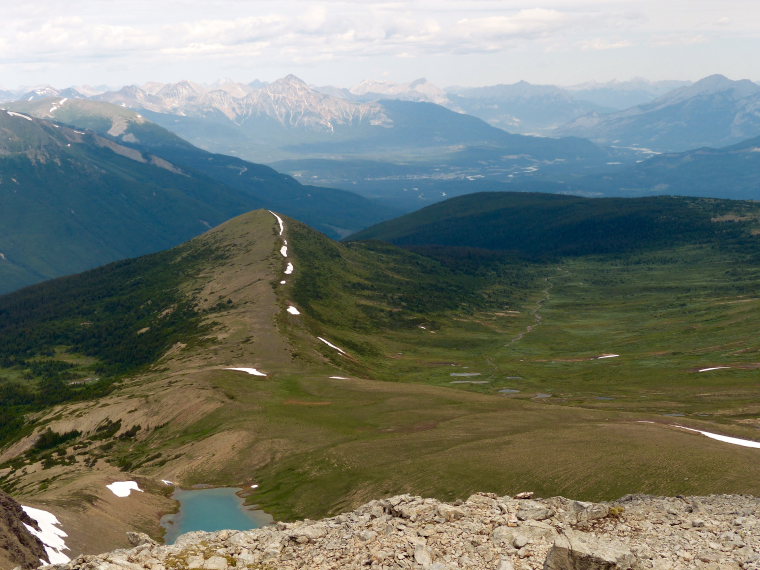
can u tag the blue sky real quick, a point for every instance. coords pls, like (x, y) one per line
(475, 42)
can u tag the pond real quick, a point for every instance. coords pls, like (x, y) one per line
(211, 510)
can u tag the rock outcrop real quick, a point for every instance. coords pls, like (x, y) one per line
(484, 532)
(17, 545)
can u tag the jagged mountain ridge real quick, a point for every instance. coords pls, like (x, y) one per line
(287, 101)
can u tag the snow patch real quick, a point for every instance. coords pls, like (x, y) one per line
(49, 534)
(724, 438)
(284, 250)
(339, 378)
(289, 269)
(331, 345)
(607, 356)
(279, 219)
(713, 368)
(251, 371)
(254, 486)
(14, 114)
(283, 282)
(123, 488)
(167, 482)
(293, 311)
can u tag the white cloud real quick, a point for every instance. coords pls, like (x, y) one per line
(246, 34)
(525, 23)
(601, 44)
(680, 40)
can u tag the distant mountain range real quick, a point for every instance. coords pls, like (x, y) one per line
(662, 115)
(288, 119)
(428, 143)
(409, 152)
(714, 111)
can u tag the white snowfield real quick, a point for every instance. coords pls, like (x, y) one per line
(331, 345)
(293, 311)
(251, 371)
(724, 438)
(14, 114)
(49, 534)
(123, 488)
(283, 249)
(279, 221)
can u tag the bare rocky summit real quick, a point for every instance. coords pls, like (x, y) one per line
(719, 532)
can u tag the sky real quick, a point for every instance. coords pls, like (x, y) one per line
(450, 42)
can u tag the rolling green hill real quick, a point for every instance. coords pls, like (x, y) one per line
(549, 225)
(374, 370)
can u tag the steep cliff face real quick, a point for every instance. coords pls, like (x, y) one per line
(718, 532)
(18, 547)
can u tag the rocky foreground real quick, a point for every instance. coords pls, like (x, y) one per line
(483, 532)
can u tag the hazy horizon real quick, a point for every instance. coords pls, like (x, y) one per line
(211, 84)
(484, 42)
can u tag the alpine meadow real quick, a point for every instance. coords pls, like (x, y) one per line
(504, 317)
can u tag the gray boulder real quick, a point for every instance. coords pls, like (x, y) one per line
(582, 551)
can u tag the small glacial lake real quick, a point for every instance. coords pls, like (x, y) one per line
(211, 510)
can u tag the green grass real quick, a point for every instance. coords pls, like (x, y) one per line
(328, 445)
(401, 424)
(666, 316)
